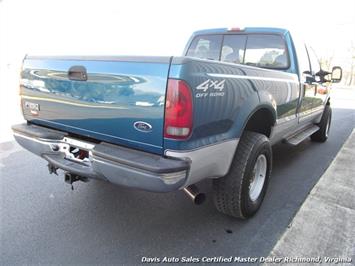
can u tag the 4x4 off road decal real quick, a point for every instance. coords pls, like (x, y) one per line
(210, 88)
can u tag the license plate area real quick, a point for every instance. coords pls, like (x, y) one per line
(76, 150)
(76, 154)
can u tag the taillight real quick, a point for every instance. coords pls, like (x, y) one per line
(178, 110)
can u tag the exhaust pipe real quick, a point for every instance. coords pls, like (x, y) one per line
(193, 193)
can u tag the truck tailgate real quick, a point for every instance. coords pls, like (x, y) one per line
(113, 99)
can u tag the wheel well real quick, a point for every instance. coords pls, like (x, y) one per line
(261, 122)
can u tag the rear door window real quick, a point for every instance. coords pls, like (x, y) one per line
(206, 47)
(302, 59)
(268, 51)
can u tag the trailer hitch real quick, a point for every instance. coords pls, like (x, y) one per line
(71, 178)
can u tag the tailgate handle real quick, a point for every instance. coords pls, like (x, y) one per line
(77, 73)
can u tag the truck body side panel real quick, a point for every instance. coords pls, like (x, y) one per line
(226, 94)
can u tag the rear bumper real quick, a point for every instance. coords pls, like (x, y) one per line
(116, 164)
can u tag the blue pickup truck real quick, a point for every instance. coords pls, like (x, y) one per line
(165, 123)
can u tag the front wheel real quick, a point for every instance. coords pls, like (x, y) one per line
(241, 192)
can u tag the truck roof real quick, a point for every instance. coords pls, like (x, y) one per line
(246, 30)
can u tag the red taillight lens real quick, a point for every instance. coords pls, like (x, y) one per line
(178, 110)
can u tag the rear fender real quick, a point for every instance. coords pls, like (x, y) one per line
(265, 101)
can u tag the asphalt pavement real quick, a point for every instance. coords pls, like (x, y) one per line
(44, 222)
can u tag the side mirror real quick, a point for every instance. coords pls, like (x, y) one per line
(337, 74)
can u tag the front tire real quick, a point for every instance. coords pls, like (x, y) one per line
(241, 192)
(322, 134)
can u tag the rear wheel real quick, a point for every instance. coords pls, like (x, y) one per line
(324, 126)
(241, 192)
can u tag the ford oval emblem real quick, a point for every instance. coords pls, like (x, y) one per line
(142, 126)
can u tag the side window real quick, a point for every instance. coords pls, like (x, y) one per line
(233, 48)
(268, 51)
(302, 59)
(205, 47)
(315, 66)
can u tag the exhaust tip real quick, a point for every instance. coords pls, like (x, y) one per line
(200, 198)
(193, 193)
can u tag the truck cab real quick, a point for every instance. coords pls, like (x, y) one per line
(274, 49)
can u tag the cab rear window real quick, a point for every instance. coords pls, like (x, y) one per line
(260, 50)
(206, 47)
(268, 51)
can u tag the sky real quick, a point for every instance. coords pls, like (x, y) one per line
(158, 27)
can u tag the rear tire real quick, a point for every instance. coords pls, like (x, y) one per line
(324, 125)
(241, 192)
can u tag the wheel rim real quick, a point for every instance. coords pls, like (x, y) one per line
(258, 177)
(327, 127)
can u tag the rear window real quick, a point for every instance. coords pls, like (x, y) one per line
(267, 51)
(206, 47)
(233, 48)
(260, 50)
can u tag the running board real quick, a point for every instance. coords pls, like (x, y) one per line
(302, 135)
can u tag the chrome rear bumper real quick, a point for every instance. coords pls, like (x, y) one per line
(116, 164)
